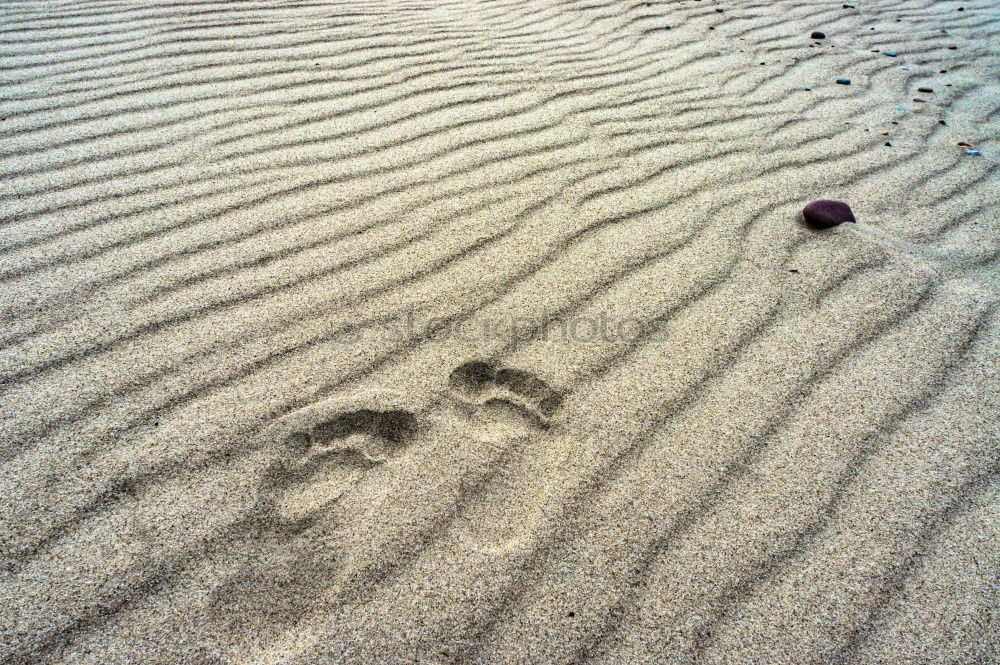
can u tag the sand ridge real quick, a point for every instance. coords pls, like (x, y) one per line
(461, 331)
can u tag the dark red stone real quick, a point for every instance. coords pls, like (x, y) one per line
(824, 214)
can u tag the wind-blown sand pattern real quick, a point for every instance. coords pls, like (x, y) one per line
(488, 331)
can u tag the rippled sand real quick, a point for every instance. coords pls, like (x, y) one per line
(467, 331)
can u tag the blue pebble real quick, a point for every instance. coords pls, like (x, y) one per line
(844, 81)
(905, 69)
(900, 108)
(666, 27)
(891, 54)
(974, 153)
(807, 88)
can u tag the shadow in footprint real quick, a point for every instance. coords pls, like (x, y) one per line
(472, 378)
(393, 428)
(482, 381)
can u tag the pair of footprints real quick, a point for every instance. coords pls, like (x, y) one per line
(354, 435)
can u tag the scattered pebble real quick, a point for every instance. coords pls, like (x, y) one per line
(844, 81)
(825, 214)
(817, 35)
(900, 108)
(888, 144)
(925, 90)
(974, 153)
(891, 54)
(848, 6)
(918, 100)
(964, 144)
(807, 88)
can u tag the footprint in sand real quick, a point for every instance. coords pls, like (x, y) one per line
(503, 390)
(510, 412)
(370, 477)
(331, 445)
(276, 571)
(328, 448)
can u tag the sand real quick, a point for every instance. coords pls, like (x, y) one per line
(468, 331)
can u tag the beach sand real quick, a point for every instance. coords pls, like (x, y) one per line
(455, 331)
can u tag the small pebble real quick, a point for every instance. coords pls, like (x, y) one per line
(817, 35)
(964, 144)
(925, 90)
(974, 153)
(900, 108)
(848, 6)
(844, 81)
(891, 54)
(888, 144)
(918, 100)
(825, 214)
(807, 88)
